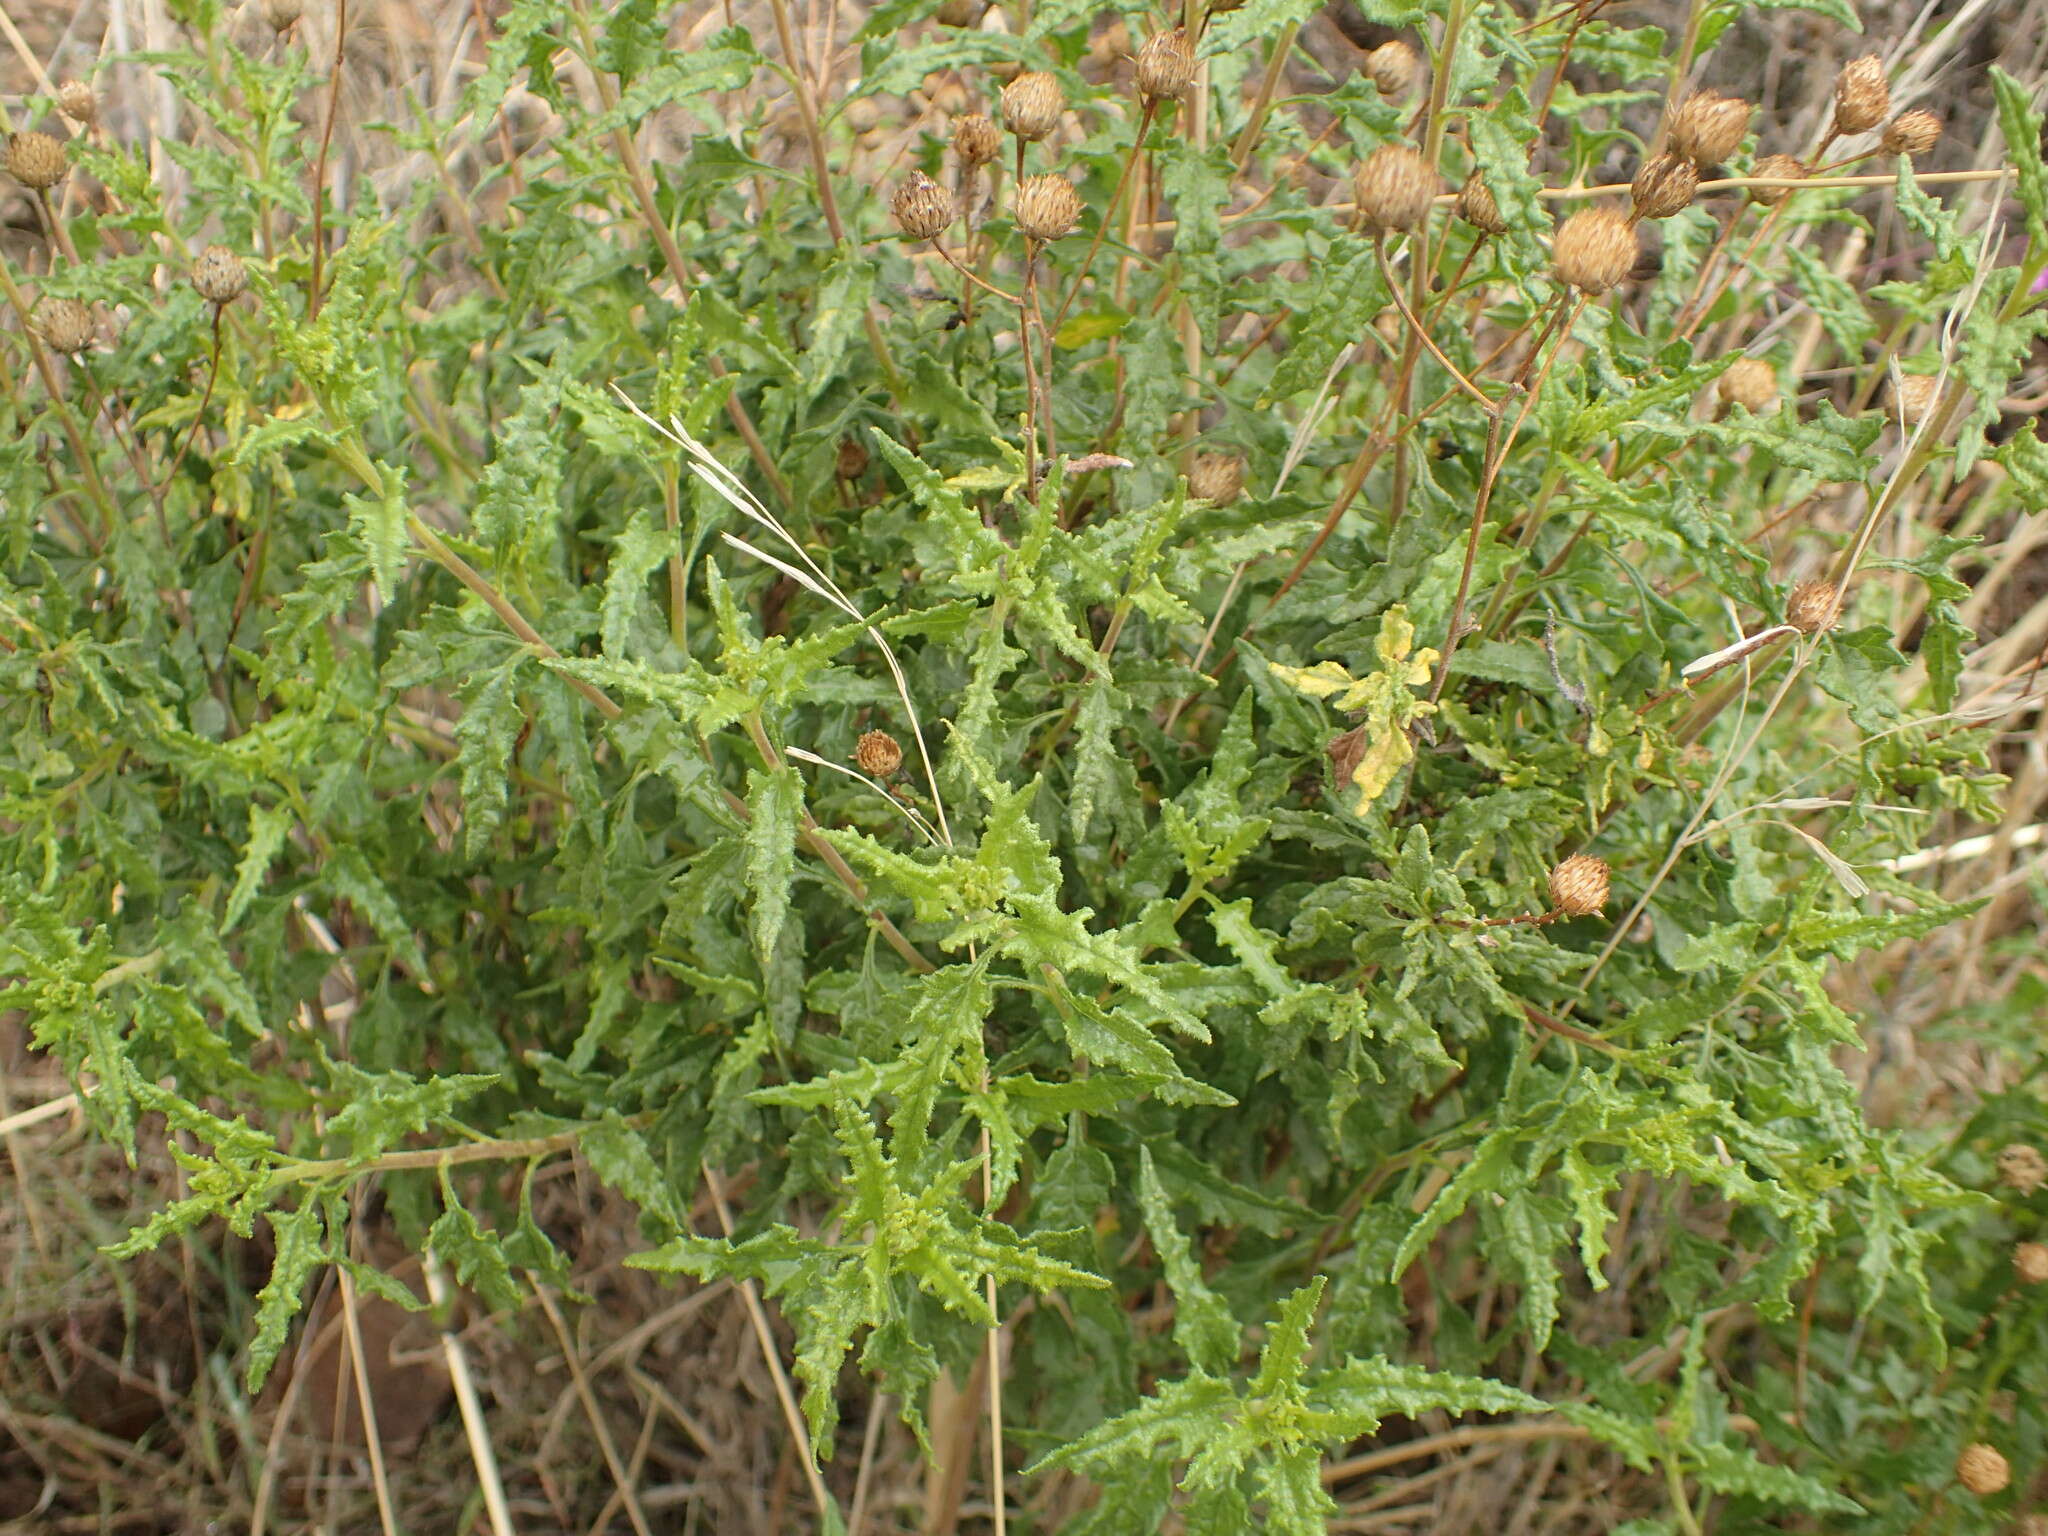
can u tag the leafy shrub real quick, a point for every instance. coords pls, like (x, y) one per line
(1246, 811)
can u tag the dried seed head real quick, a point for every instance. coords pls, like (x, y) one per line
(877, 755)
(975, 139)
(1477, 207)
(1047, 206)
(1912, 133)
(1393, 67)
(1982, 1470)
(1166, 66)
(1861, 96)
(1578, 886)
(1777, 168)
(1708, 127)
(1914, 397)
(36, 160)
(1595, 249)
(1217, 477)
(2030, 1263)
(850, 462)
(2021, 1168)
(77, 102)
(922, 207)
(1751, 383)
(1394, 185)
(283, 14)
(959, 13)
(66, 325)
(219, 275)
(1664, 186)
(1814, 606)
(1032, 104)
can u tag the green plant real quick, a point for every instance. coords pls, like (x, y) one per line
(435, 684)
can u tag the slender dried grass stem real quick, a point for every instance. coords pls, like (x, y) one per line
(366, 1402)
(757, 1316)
(621, 1476)
(320, 159)
(475, 1429)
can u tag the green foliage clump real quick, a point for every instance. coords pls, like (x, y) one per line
(434, 689)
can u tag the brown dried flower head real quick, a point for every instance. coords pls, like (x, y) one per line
(1578, 886)
(922, 207)
(283, 14)
(1777, 168)
(1664, 186)
(1595, 249)
(1394, 185)
(1477, 207)
(959, 13)
(975, 139)
(36, 160)
(1393, 67)
(1914, 397)
(1032, 104)
(66, 325)
(1861, 96)
(850, 460)
(2030, 1263)
(1750, 383)
(1217, 477)
(2021, 1168)
(1982, 1470)
(1813, 607)
(1708, 127)
(1912, 133)
(219, 275)
(1047, 206)
(1166, 65)
(77, 102)
(877, 755)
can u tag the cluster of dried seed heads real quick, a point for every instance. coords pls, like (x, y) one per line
(1777, 168)
(1595, 250)
(1578, 886)
(1914, 396)
(1862, 98)
(36, 160)
(1814, 607)
(1665, 185)
(219, 275)
(66, 325)
(1751, 383)
(975, 139)
(1217, 477)
(1047, 206)
(1032, 104)
(1912, 133)
(1393, 67)
(77, 102)
(1394, 186)
(1476, 206)
(2030, 1263)
(1708, 128)
(1166, 66)
(2021, 1168)
(922, 207)
(1982, 1470)
(877, 754)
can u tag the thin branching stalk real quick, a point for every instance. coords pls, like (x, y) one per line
(1116, 197)
(320, 159)
(1498, 445)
